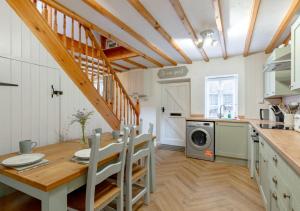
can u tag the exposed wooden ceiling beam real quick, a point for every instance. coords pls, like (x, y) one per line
(181, 14)
(294, 7)
(147, 15)
(135, 63)
(254, 12)
(86, 23)
(96, 6)
(287, 39)
(119, 65)
(219, 22)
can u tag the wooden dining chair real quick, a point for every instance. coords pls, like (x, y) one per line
(99, 191)
(138, 149)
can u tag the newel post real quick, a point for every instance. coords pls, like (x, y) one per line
(137, 106)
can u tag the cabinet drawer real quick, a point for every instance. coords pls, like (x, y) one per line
(284, 195)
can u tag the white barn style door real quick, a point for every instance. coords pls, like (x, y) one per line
(174, 109)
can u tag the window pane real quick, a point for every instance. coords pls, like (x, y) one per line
(213, 86)
(213, 99)
(228, 99)
(221, 90)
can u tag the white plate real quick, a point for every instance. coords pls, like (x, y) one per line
(22, 160)
(83, 154)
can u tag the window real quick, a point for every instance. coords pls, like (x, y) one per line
(221, 91)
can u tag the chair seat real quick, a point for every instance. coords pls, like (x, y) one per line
(138, 172)
(104, 192)
(18, 201)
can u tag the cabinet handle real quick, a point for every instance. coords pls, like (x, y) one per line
(275, 159)
(274, 179)
(262, 143)
(274, 195)
(285, 195)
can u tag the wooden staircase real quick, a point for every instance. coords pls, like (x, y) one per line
(73, 44)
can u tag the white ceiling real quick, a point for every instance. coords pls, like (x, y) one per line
(236, 18)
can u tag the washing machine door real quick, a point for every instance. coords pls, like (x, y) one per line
(200, 139)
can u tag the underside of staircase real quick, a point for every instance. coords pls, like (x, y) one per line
(73, 44)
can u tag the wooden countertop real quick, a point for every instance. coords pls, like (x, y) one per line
(216, 119)
(285, 142)
(60, 169)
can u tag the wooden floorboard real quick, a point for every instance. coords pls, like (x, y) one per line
(185, 184)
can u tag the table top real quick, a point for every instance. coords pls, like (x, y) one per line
(60, 169)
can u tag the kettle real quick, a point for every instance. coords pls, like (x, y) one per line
(264, 114)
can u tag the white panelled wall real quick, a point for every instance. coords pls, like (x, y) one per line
(28, 111)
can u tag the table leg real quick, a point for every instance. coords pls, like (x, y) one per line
(56, 200)
(152, 168)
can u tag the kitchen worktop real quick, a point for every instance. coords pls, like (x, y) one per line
(216, 119)
(285, 142)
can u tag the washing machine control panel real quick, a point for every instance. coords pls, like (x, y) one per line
(197, 124)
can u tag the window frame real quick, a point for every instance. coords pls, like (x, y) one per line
(219, 78)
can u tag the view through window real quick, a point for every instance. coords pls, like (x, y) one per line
(221, 93)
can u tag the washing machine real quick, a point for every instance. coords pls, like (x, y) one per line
(200, 140)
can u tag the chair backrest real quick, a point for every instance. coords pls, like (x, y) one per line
(97, 130)
(140, 129)
(138, 148)
(150, 130)
(96, 176)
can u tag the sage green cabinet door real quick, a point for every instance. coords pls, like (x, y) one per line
(232, 140)
(264, 178)
(295, 55)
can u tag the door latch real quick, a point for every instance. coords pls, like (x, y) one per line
(55, 92)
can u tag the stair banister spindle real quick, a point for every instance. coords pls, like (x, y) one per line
(50, 13)
(64, 30)
(79, 45)
(127, 108)
(44, 12)
(72, 38)
(93, 46)
(98, 72)
(117, 100)
(55, 21)
(86, 52)
(121, 105)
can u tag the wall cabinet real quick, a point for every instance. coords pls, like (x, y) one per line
(277, 84)
(295, 55)
(232, 140)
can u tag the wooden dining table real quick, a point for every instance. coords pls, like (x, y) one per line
(51, 183)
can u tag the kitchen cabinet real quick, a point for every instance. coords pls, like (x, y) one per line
(264, 178)
(277, 84)
(295, 55)
(232, 140)
(277, 180)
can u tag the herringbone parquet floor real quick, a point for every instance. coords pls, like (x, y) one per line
(185, 184)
